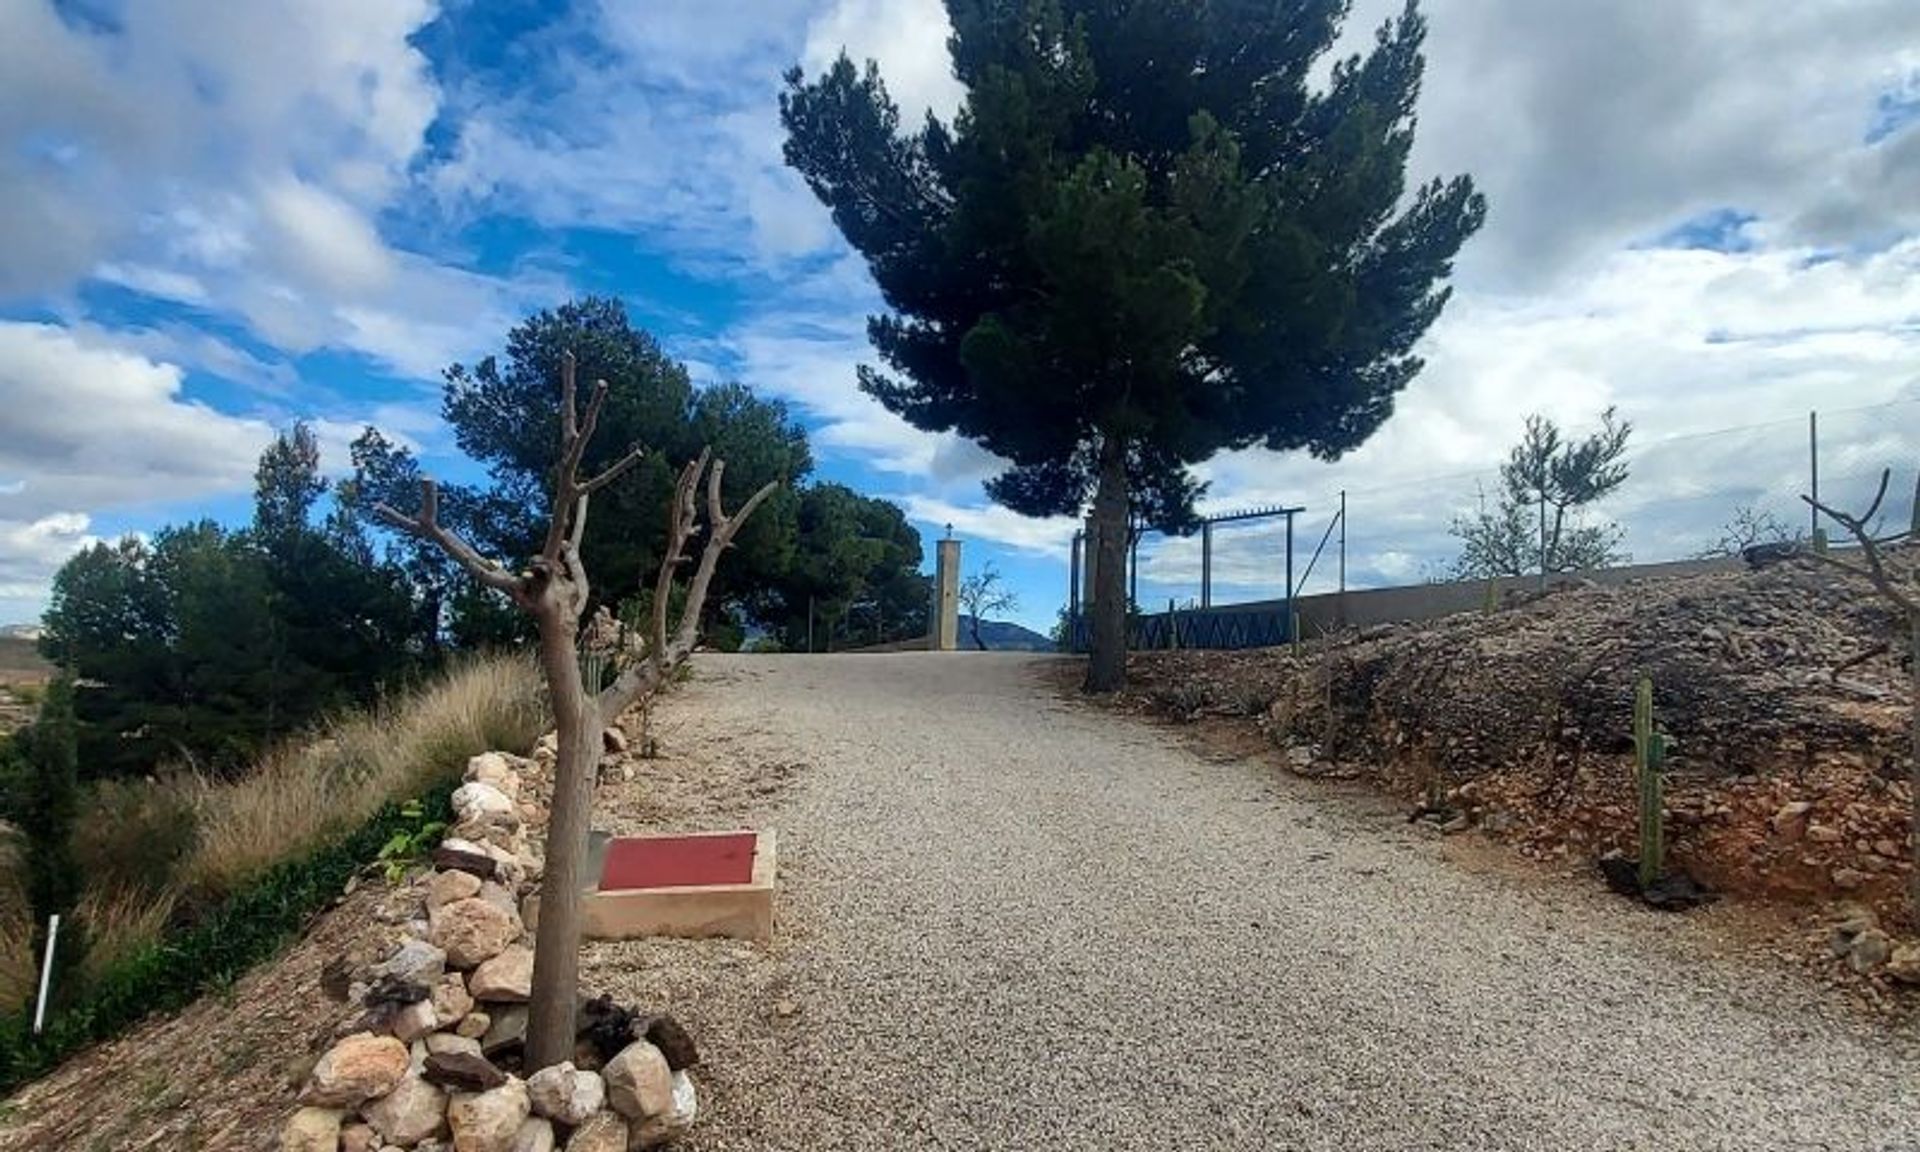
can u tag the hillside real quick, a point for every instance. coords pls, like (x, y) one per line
(22, 672)
(1787, 721)
(1004, 636)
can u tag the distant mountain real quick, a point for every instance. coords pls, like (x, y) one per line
(1001, 636)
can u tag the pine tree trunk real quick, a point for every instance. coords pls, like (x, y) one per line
(556, 953)
(1107, 665)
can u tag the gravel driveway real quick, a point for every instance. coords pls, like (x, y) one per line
(1019, 923)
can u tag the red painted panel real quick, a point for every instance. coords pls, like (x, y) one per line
(678, 861)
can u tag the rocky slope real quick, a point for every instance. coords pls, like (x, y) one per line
(226, 1072)
(1787, 778)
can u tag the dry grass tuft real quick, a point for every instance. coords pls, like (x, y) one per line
(301, 795)
(117, 922)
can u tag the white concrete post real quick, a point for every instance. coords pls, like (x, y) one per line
(946, 597)
(46, 974)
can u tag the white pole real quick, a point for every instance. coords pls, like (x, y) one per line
(46, 973)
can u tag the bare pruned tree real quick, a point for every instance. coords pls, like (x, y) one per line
(553, 589)
(1750, 528)
(982, 593)
(1905, 597)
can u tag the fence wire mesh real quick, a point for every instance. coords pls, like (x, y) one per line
(1686, 497)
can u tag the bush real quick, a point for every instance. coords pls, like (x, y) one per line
(109, 925)
(17, 971)
(133, 836)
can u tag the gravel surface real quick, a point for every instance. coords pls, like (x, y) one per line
(1011, 921)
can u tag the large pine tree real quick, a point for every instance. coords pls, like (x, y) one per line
(1145, 238)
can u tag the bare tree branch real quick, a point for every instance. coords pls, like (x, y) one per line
(427, 526)
(667, 650)
(1856, 526)
(575, 433)
(579, 522)
(613, 472)
(719, 538)
(1880, 649)
(680, 526)
(570, 557)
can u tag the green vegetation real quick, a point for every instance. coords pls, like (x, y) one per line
(1148, 236)
(408, 846)
(854, 575)
(161, 976)
(1537, 523)
(208, 645)
(40, 795)
(188, 881)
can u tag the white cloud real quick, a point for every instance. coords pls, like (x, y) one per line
(1050, 537)
(662, 119)
(323, 240)
(154, 282)
(908, 37)
(94, 427)
(237, 158)
(89, 426)
(30, 553)
(1592, 124)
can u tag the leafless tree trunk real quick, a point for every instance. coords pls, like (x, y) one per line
(554, 591)
(1907, 600)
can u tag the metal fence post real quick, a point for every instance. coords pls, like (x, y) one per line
(1813, 468)
(1206, 564)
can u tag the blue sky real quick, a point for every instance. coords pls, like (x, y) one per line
(225, 217)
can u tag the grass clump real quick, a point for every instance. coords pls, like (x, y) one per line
(190, 880)
(303, 794)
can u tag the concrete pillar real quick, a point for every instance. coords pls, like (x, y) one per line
(946, 597)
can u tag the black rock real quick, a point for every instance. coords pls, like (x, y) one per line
(395, 991)
(462, 1072)
(336, 979)
(1673, 892)
(475, 863)
(666, 1034)
(607, 1026)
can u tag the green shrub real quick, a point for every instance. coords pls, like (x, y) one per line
(133, 835)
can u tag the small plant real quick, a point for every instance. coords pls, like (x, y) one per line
(1183, 701)
(408, 846)
(1649, 756)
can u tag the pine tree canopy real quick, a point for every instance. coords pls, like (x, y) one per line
(1147, 236)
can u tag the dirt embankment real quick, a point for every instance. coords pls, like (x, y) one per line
(1786, 779)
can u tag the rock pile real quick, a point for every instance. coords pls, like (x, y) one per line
(429, 1059)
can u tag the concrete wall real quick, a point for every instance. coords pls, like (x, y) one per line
(916, 644)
